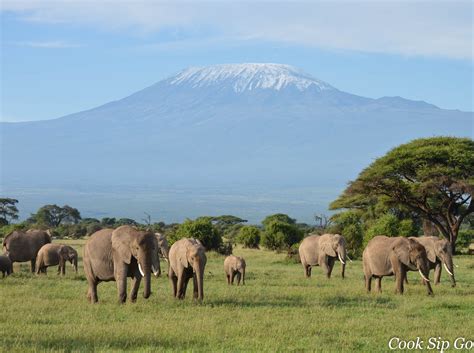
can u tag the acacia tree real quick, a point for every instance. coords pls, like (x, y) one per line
(8, 210)
(54, 215)
(433, 177)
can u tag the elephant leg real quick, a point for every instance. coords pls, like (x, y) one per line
(379, 284)
(59, 270)
(368, 283)
(331, 262)
(306, 268)
(180, 286)
(92, 292)
(120, 275)
(437, 273)
(239, 276)
(185, 286)
(173, 280)
(233, 277)
(32, 266)
(135, 286)
(228, 278)
(400, 275)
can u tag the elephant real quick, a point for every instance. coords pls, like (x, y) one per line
(388, 256)
(234, 266)
(439, 251)
(114, 255)
(163, 246)
(187, 259)
(56, 254)
(323, 250)
(6, 266)
(23, 246)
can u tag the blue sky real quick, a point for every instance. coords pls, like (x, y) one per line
(60, 57)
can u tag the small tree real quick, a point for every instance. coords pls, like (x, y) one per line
(201, 229)
(8, 210)
(249, 237)
(279, 235)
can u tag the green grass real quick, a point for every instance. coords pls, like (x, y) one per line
(278, 310)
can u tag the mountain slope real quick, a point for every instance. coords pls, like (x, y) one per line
(226, 125)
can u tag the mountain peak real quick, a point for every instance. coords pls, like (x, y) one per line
(248, 77)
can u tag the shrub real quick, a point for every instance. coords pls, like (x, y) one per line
(201, 229)
(385, 225)
(279, 235)
(249, 237)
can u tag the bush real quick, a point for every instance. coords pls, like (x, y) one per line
(407, 228)
(279, 235)
(349, 225)
(465, 238)
(201, 229)
(385, 225)
(249, 237)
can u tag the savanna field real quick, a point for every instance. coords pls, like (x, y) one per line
(277, 310)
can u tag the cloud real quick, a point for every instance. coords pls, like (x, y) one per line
(427, 28)
(58, 44)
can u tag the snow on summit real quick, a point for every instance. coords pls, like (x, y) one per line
(247, 77)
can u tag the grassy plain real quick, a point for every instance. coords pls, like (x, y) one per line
(278, 310)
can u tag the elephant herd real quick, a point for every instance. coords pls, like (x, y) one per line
(116, 254)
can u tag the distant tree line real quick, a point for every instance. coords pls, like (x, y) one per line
(422, 187)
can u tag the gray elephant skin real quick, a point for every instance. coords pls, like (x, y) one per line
(323, 250)
(234, 266)
(439, 254)
(163, 246)
(388, 256)
(6, 266)
(55, 254)
(114, 255)
(23, 246)
(187, 259)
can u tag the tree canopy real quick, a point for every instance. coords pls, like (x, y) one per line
(54, 215)
(433, 177)
(8, 210)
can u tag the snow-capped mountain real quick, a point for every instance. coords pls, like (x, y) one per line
(226, 125)
(248, 77)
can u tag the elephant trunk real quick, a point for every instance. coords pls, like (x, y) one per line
(424, 271)
(145, 271)
(449, 267)
(199, 272)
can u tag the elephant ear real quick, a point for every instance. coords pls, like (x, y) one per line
(402, 249)
(64, 252)
(326, 247)
(430, 253)
(183, 257)
(121, 245)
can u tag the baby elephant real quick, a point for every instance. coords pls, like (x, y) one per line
(234, 266)
(55, 254)
(5, 265)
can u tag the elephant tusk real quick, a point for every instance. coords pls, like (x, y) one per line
(423, 276)
(340, 258)
(141, 271)
(155, 271)
(446, 267)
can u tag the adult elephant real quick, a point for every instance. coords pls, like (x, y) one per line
(385, 256)
(114, 255)
(163, 246)
(23, 246)
(323, 250)
(56, 254)
(439, 252)
(187, 259)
